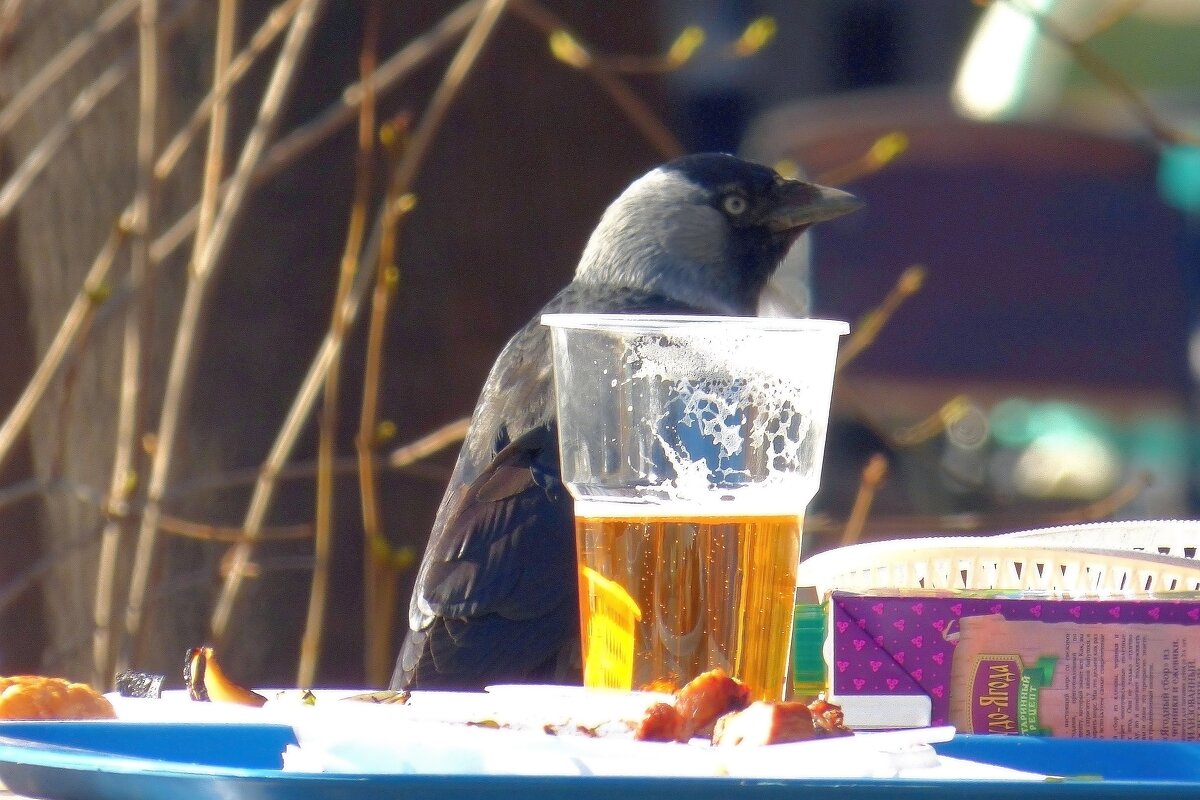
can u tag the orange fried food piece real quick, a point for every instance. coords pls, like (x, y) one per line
(40, 697)
(206, 681)
(777, 723)
(765, 723)
(829, 718)
(662, 723)
(706, 698)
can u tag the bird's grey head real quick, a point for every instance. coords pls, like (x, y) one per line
(707, 230)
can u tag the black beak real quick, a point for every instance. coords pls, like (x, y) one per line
(799, 204)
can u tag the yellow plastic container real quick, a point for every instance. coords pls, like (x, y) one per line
(609, 639)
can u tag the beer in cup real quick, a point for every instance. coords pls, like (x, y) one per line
(691, 447)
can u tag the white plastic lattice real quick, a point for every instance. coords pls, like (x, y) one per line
(1100, 558)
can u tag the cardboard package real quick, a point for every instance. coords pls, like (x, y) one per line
(1092, 668)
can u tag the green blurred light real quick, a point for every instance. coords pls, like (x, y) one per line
(1009, 421)
(1060, 417)
(1016, 421)
(1159, 439)
(1179, 177)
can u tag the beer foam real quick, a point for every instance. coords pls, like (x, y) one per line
(738, 415)
(738, 505)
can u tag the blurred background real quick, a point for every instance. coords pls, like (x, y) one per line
(230, 408)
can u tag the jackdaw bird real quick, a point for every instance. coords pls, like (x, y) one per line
(495, 597)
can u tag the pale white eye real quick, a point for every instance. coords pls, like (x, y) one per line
(734, 204)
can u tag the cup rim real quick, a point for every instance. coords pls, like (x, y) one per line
(673, 322)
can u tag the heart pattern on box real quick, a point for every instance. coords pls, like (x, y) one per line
(905, 646)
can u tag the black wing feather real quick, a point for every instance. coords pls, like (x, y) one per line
(496, 597)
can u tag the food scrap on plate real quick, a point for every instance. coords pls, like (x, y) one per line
(41, 697)
(708, 727)
(207, 681)
(718, 706)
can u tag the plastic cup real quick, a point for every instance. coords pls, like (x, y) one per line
(691, 447)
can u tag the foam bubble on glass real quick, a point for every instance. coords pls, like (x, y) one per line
(742, 427)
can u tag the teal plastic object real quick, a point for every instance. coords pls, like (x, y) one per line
(808, 658)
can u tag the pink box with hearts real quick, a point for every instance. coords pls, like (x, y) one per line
(1093, 668)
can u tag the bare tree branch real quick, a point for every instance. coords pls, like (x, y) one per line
(81, 107)
(232, 71)
(204, 532)
(301, 140)
(11, 14)
(634, 108)
(276, 460)
(138, 324)
(310, 642)
(110, 19)
(204, 266)
(53, 139)
(429, 444)
(1109, 77)
(285, 441)
(405, 458)
(92, 294)
(414, 54)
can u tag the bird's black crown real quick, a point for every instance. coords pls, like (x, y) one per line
(719, 170)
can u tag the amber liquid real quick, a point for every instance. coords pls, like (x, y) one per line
(663, 600)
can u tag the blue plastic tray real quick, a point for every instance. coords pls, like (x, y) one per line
(151, 761)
